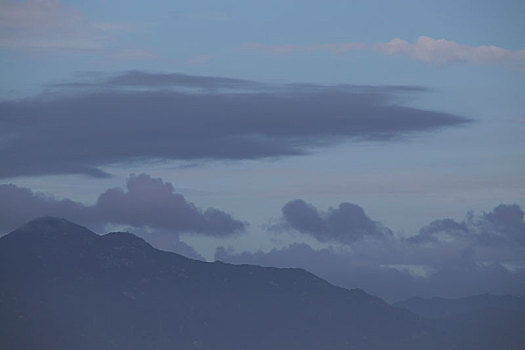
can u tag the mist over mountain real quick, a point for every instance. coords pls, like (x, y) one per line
(65, 287)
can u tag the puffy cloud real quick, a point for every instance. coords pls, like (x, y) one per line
(484, 253)
(19, 205)
(442, 52)
(345, 224)
(140, 116)
(502, 226)
(152, 202)
(146, 203)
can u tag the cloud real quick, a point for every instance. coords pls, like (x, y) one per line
(482, 254)
(437, 52)
(146, 203)
(19, 205)
(56, 27)
(143, 79)
(345, 224)
(336, 48)
(152, 202)
(504, 225)
(81, 126)
(442, 52)
(391, 282)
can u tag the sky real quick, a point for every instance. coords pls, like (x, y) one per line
(374, 143)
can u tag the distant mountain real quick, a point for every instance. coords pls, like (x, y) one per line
(65, 287)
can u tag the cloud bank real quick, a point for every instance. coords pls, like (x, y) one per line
(146, 203)
(81, 126)
(484, 253)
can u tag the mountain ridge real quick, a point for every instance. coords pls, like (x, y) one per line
(66, 287)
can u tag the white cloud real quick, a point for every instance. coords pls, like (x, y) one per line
(437, 52)
(441, 52)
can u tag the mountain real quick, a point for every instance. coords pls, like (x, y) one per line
(65, 287)
(437, 308)
(481, 321)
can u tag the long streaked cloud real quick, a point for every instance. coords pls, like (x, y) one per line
(137, 116)
(145, 203)
(484, 253)
(437, 52)
(53, 26)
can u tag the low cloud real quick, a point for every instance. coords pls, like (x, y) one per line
(146, 203)
(345, 224)
(502, 226)
(393, 282)
(82, 126)
(484, 253)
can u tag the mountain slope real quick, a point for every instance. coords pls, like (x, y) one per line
(476, 322)
(64, 287)
(445, 307)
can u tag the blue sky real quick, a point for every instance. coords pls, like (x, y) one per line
(460, 58)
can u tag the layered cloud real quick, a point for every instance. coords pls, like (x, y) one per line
(484, 253)
(145, 203)
(137, 116)
(437, 52)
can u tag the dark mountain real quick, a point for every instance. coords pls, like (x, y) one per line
(64, 287)
(444, 308)
(476, 322)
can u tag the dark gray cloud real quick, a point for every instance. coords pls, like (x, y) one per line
(504, 225)
(139, 116)
(19, 205)
(152, 202)
(345, 224)
(484, 253)
(146, 202)
(138, 78)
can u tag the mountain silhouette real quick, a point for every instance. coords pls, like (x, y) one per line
(65, 287)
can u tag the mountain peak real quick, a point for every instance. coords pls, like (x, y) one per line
(54, 225)
(49, 221)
